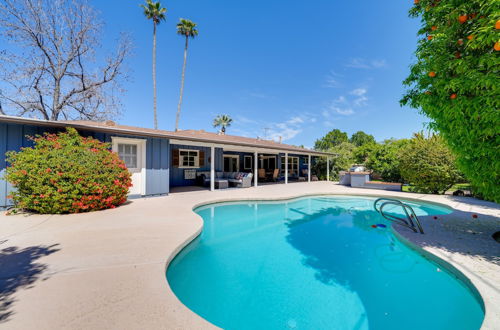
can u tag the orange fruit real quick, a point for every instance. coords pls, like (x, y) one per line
(462, 19)
(434, 28)
(470, 37)
(473, 15)
(458, 55)
(428, 93)
(460, 42)
(416, 1)
(453, 96)
(429, 37)
(432, 74)
(497, 46)
(497, 25)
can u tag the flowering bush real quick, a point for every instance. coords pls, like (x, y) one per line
(67, 173)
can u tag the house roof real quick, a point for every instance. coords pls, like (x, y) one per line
(182, 135)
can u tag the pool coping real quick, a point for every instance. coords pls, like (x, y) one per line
(133, 246)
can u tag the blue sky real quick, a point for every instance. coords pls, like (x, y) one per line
(298, 68)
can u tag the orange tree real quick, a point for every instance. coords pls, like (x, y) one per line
(455, 82)
(67, 173)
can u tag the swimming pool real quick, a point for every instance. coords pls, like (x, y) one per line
(316, 263)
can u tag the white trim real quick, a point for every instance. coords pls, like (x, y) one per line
(309, 168)
(255, 168)
(231, 156)
(238, 148)
(327, 168)
(275, 157)
(286, 167)
(196, 162)
(158, 133)
(287, 162)
(212, 168)
(245, 162)
(141, 162)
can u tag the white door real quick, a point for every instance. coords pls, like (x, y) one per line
(133, 153)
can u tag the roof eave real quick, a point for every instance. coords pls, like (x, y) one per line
(160, 134)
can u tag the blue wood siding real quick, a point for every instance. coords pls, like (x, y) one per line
(14, 136)
(177, 174)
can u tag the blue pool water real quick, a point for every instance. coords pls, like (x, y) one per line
(315, 263)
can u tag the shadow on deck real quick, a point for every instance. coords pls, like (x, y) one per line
(19, 270)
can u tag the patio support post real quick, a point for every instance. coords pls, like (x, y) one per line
(212, 168)
(286, 167)
(255, 168)
(327, 168)
(309, 168)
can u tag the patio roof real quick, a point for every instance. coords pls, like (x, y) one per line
(199, 136)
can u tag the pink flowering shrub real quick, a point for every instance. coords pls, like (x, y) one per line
(67, 173)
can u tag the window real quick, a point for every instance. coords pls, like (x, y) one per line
(231, 163)
(189, 158)
(128, 153)
(268, 162)
(306, 161)
(248, 162)
(293, 165)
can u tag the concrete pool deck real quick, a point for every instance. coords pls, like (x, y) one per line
(106, 269)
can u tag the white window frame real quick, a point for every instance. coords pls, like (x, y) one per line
(291, 163)
(196, 160)
(268, 157)
(137, 156)
(245, 162)
(237, 157)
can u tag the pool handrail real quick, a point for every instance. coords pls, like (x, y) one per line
(411, 220)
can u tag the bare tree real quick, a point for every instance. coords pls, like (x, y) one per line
(51, 71)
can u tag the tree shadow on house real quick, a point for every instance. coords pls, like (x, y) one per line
(19, 269)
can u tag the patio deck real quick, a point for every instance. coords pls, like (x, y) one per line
(106, 269)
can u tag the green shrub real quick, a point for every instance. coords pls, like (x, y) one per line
(455, 82)
(67, 173)
(428, 165)
(384, 158)
(341, 162)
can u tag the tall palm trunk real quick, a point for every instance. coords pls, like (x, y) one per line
(182, 86)
(154, 75)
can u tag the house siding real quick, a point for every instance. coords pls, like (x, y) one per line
(14, 136)
(177, 174)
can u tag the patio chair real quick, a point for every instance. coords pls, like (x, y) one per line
(262, 174)
(275, 175)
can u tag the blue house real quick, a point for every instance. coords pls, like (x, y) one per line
(161, 160)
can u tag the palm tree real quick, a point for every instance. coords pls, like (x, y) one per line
(223, 121)
(187, 29)
(154, 11)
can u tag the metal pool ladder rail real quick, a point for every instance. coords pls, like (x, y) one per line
(411, 220)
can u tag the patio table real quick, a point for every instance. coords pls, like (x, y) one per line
(221, 184)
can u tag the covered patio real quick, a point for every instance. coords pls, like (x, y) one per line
(217, 163)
